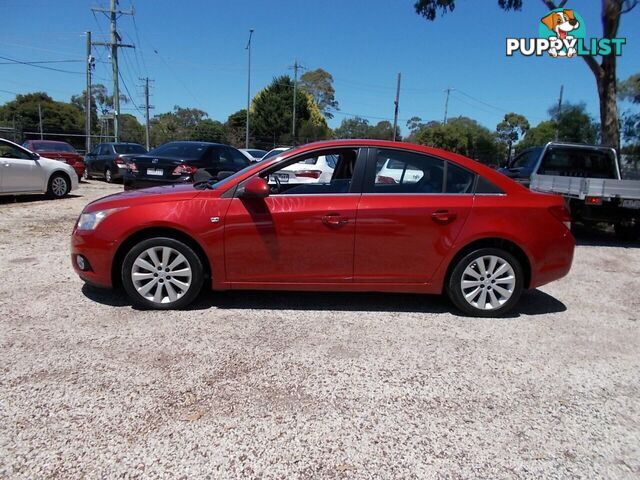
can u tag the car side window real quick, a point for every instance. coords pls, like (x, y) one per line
(95, 150)
(235, 157)
(315, 173)
(9, 151)
(407, 172)
(104, 150)
(459, 180)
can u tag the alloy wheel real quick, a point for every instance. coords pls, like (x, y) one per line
(59, 186)
(161, 274)
(488, 282)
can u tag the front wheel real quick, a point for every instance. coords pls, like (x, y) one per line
(487, 282)
(85, 174)
(59, 185)
(162, 273)
(108, 176)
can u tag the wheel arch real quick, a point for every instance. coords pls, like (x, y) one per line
(492, 242)
(151, 232)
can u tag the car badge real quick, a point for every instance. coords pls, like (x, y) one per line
(155, 160)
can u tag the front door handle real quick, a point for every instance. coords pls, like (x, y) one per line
(443, 216)
(334, 220)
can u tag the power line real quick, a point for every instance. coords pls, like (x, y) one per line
(29, 64)
(43, 62)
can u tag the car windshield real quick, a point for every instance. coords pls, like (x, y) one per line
(526, 160)
(180, 150)
(256, 153)
(52, 147)
(129, 148)
(274, 152)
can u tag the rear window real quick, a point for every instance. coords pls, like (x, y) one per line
(578, 162)
(180, 150)
(52, 147)
(129, 148)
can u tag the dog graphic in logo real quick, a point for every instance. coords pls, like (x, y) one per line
(561, 23)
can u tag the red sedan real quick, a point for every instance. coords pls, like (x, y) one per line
(389, 217)
(55, 150)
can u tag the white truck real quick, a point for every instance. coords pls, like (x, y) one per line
(588, 177)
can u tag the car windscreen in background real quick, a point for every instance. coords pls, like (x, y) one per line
(578, 162)
(180, 150)
(124, 148)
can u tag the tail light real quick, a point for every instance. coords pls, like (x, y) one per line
(383, 179)
(119, 160)
(309, 173)
(562, 214)
(132, 167)
(593, 200)
(184, 170)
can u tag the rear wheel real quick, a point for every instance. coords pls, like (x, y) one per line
(487, 282)
(59, 185)
(162, 273)
(108, 176)
(85, 174)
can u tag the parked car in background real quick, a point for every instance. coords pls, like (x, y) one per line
(56, 150)
(177, 162)
(108, 160)
(310, 170)
(23, 172)
(588, 177)
(463, 229)
(275, 152)
(253, 154)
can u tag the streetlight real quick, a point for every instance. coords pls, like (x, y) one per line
(248, 48)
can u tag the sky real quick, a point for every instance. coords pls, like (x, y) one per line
(194, 50)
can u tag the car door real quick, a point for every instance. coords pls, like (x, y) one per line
(91, 159)
(20, 171)
(300, 233)
(412, 209)
(104, 154)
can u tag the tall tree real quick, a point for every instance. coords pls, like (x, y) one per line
(355, 127)
(319, 84)
(175, 125)
(512, 128)
(574, 124)
(630, 91)
(603, 70)
(537, 136)
(234, 129)
(208, 130)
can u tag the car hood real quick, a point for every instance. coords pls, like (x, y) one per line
(167, 193)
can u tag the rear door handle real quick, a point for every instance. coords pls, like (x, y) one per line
(443, 216)
(334, 220)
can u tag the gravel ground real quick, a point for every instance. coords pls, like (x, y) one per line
(293, 385)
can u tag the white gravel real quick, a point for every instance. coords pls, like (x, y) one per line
(293, 385)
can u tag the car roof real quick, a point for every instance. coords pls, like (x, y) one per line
(48, 141)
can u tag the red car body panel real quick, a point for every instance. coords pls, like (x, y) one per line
(71, 158)
(352, 242)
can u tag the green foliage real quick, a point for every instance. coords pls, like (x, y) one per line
(358, 127)
(574, 123)
(58, 117)
(539, 135)
(630, 89)
(464, 136)
(272, 116)
(175, 125)
(430, 8)
(512, 128)
(319, 84)
(208, 130)
(131, 130)
(234, 129)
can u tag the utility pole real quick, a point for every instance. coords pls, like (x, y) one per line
(87, 123)
(446, 105)
(40, 120)
(559, 112)
(114, 44)
(248, 48)
(147, 107)
(296, 66)
(395, 115)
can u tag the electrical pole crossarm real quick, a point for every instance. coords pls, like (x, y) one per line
(109, 44)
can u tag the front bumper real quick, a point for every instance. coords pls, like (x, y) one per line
(98, 253)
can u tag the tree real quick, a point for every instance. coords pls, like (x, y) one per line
(130, 129)
(57, 117)
(511, 129)
(537, 136)
(464, 136)
(604, 71)
(355, 127)
(208, 130)
(574, 124)
(235, 128)
(175, 125)
(319, 84)
(630, 91)
(272, 115)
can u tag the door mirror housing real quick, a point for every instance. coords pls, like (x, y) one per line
(256, 187)
(35, 156)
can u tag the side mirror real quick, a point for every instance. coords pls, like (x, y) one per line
(35, 155)
(256, 187)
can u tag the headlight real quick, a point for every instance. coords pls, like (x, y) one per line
(89, 221)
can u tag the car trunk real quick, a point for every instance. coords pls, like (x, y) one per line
(156, 168)
(71, 158)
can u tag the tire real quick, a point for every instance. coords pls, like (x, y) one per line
(108, 176)
(497, 301)
(59, 186)
(85, 174)
(627, 232)
(154, 286)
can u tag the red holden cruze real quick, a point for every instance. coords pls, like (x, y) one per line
(387, 217)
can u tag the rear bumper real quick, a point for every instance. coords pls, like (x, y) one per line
(557, 261)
